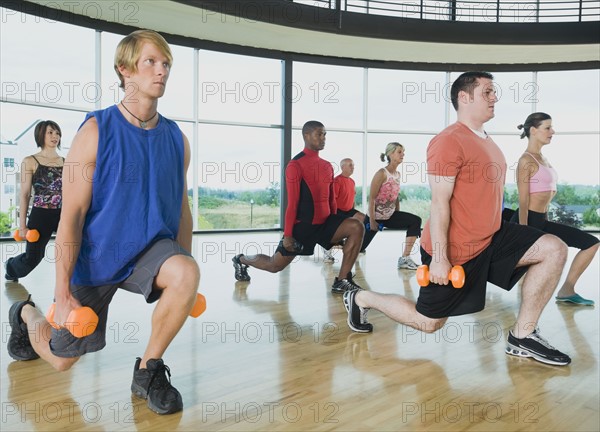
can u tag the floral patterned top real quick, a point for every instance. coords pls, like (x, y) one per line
(47, 186)
(385, 201)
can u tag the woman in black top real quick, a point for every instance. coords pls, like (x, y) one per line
(42, 172)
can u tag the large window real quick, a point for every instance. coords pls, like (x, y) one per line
(233, 118)
(332, 95)
(239, 177)
(235, 88)
(407, 100)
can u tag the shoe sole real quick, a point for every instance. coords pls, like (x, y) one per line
(10, 353)
(357, 330)
(242, 279)
(520, 352)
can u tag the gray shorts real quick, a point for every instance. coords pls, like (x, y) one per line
(141, 281)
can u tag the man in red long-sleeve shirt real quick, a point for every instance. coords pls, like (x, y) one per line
(344, 190)
(310, 217)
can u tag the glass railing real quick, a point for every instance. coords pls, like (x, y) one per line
(474, 11)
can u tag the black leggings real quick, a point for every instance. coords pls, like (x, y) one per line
(398, 221)
(573, 237)
(46, 222)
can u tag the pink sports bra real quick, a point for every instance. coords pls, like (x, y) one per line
(544, 179)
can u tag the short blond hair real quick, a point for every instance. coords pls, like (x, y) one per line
(129, 50)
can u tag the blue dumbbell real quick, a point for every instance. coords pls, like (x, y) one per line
(379, 227)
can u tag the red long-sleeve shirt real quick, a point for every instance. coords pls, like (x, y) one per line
(345, 192)
(309, 183)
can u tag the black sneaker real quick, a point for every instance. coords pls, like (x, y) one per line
(19, 345)
(537, 347)
(340, 286)
(241, 270)
(357, 316)
(154, 384)
(7, 276)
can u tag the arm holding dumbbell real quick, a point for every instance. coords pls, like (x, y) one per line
(441, 193)
(77, 195)
(376, 183)
(27, 169)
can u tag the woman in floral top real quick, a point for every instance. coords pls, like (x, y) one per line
(42, 172)
(384, 204)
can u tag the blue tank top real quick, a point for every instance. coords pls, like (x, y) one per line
(137, 191)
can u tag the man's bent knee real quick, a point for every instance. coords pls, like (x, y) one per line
(555, 247)
(62, 364)
(431, 325)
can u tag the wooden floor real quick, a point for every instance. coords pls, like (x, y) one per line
(276, 354)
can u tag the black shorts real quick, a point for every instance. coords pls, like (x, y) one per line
(141, 281)
(572, 236)
(348, 213)
(496, 264)
(309, 235)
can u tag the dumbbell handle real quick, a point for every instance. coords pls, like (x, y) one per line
(32, 236)
(456, 276)
(379, 226)
(81, 321)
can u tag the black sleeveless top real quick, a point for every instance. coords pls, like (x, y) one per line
(47, 186)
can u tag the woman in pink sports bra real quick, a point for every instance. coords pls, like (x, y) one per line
(536, 182)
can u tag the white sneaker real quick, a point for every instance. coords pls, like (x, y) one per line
(407, 263)
(328, 257)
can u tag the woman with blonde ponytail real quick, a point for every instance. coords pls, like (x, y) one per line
(384, 205)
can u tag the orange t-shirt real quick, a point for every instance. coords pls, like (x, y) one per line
(476, 203)
(345, 192)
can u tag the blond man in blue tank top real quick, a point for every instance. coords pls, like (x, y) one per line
(125, 224)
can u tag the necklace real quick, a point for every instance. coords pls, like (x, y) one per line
(143, 123)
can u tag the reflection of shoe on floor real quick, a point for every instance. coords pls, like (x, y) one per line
(15, 292)
(575, 299)
(154, 384)
(241, 270)
(328, 257)
(407, 263)
(19, 345)
(537, 347)
(355, 346)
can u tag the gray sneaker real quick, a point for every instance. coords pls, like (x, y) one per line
(537, 347)
(407, 263)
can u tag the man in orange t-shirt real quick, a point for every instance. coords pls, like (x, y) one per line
(466, 174)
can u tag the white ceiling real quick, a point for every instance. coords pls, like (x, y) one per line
(176, 18)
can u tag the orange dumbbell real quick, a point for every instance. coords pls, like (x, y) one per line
(456, 276)
(199, 306)
(81, 322)
(32, 236)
